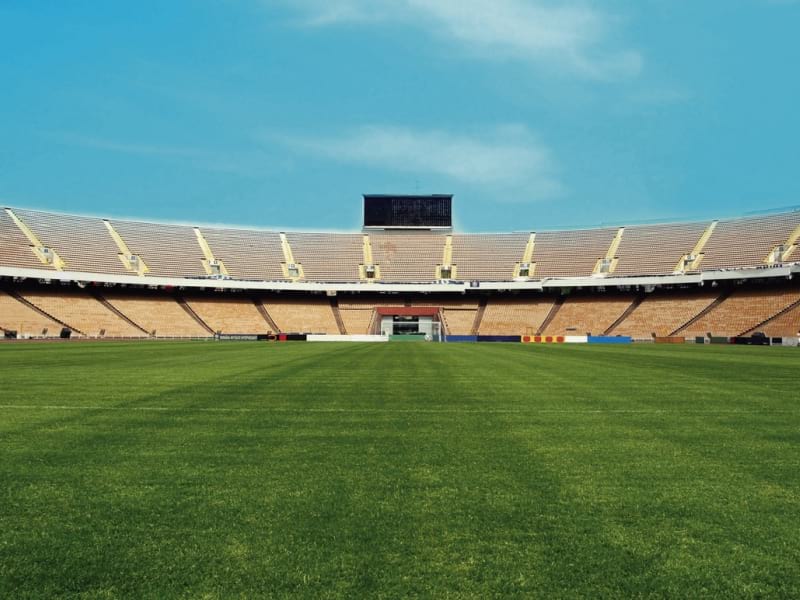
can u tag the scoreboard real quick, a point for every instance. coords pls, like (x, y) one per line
(408, 212)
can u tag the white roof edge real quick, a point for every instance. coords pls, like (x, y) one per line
(438, 287)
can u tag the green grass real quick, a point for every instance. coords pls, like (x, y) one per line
(428, 470)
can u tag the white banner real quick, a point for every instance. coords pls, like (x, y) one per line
(347, 338)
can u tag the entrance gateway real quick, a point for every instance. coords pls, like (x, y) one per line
(410, 322)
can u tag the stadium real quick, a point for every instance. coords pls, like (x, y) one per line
(353, 299)
(621, 436)
(407, 275)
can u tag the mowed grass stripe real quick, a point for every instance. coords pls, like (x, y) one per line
(219, 470)
(512, 411)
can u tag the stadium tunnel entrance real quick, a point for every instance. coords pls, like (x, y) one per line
(410, 322)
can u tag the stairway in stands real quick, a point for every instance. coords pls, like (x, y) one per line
(44, 313)
(634, 305)
(101, 299)
(443, 322)
(337, 315)
(720, 299)
(190, 311)
(476, 324)
(262, 310)
(552, 314)
(781, 312)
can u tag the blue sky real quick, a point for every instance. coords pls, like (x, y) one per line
(281, 113)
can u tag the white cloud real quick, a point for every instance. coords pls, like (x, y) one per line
(507, 157)
(563, 35)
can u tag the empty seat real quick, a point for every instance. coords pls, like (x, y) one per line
(459, 321)
(160, 315)
(787, 324)
(488, 257)
(167, 250)
(656, 249)
(738, 243)
(661, 313)
(83, 243)
(742, 311)
(357, 320)
(408, 257)
(328, 256)
(230, 314)
(15, 249)
(581, 315)
(83, 312)
(570, 253)
(247, 254)
(17, 316)
(515, 316)
(310, 315)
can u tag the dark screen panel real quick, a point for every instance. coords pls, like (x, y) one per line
(408, 211)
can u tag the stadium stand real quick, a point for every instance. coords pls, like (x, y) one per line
(27, 322)
(588, 314)
(302, 315)
(229, 314)
(662, 313)
(84, 243)
(746, 266)
(83, 313)
(459, 321)
(740, 312)
(785, 323)
(247, 254)
(357, 321)
(158, 314)
(570, 253)
(407, 257)
(328, 256)
(656, 249)
(15, 249)
(510, 316)
(747, 242)
(488, 257)
(168, 250)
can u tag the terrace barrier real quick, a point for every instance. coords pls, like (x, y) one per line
(543, 339)
(461, 338)
(346, 338)
(670, 340)
(292, 337)
(756, 340)
(604, 339)
(498, 338)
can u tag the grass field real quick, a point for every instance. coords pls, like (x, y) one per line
(337, 470)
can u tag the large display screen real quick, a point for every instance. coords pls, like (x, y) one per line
(408, 211)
